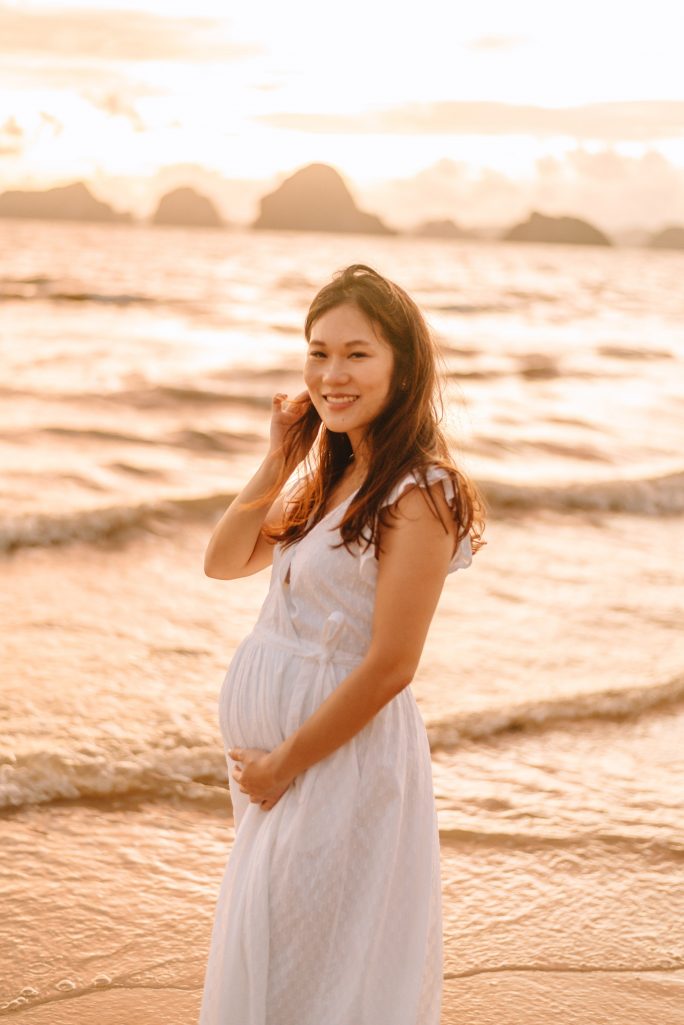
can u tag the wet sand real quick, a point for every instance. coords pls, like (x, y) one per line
(510, 998)
(125, 903)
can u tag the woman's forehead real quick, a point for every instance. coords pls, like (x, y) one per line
(345, 325)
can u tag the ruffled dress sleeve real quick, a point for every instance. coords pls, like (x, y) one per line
(463, 556)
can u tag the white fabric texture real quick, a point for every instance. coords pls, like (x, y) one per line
(329, 911)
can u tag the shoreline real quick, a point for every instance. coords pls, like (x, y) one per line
(529, 931)
(512, 998)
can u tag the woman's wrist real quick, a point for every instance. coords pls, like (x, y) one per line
(280, 764)
(275, 463)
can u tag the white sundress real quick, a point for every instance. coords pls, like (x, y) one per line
(329, 911)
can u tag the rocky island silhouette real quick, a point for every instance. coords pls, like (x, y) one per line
(669, 238)
(187, 208)
(73, 202)
(313, 198)
(563, 230)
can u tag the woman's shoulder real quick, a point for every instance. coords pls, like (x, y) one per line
(424, 477)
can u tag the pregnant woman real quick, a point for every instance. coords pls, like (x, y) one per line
(329, 912)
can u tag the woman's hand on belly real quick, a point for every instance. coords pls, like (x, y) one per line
(257, 776)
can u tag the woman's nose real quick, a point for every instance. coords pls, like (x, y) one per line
(335, 371)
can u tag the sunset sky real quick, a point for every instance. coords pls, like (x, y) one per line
(442, 109)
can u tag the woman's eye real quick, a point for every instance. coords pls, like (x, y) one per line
(319, 354)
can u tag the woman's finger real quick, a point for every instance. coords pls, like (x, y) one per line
(300, 400)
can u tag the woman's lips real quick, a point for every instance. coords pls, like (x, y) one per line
(340, 401)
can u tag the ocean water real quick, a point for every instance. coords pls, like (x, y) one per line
(137, 367)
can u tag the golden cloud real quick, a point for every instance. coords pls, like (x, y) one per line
(626, 120)
(118, 35)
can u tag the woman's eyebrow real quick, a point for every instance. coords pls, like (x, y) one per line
(356, 341)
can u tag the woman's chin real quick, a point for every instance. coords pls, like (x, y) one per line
(341, 424)
(335, 428)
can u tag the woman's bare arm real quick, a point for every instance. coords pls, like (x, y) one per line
(237, 547)
(411, 575)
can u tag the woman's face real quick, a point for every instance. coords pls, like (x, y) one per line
(348, 370)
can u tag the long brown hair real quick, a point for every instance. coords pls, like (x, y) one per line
(405, 436)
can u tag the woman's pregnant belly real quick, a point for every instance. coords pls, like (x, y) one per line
(269, 691)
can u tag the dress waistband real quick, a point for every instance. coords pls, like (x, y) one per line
(326, 651)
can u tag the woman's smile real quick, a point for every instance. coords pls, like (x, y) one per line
(338, 402)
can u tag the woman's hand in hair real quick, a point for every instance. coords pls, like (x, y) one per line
(285, 413)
